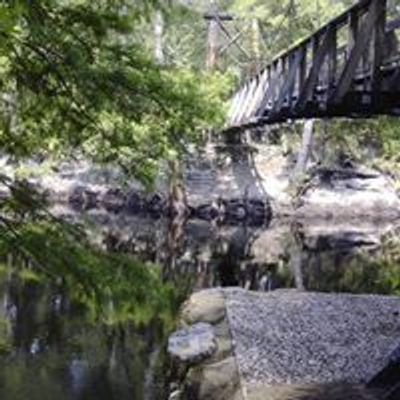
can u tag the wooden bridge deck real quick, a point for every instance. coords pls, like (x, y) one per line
(348, 68)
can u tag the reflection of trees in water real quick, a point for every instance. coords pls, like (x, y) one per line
(87, 322)
(205, 255)
(67, 349)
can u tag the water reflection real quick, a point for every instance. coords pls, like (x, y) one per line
(346, 257)
(52, 350)
(85, 330)
(89, 333)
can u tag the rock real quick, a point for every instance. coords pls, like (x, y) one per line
(253, 211)
(133, 203)
(156, 204)
(291, 337)
(207, 212)
(114, 200)
(258, 210)
(76, 198)
(223, 339)
(91, 199)
(340, 391)
(236, 210)
(388, 379)
(362, 194)
(193, 344)
(218, 381)
(340, 240)
(205, 306)
(83, 198)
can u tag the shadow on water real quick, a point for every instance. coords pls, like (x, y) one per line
(84, 333)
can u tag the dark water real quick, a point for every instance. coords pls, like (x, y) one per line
(57, 344)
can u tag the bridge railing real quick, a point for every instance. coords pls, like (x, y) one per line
(348, 67)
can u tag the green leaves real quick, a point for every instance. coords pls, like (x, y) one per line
(44, 249)
(82, 82)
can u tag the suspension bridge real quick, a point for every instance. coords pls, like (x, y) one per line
(350, 68)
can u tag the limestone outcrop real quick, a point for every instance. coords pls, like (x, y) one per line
(288, 344)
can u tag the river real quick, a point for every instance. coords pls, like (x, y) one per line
(56, 342)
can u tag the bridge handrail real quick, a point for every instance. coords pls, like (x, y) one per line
(293, 78)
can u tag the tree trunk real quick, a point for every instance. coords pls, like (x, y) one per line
(177, 194)
(322, 141)
(212, 44)
(256, 39)
(305, 150)
(158, 28)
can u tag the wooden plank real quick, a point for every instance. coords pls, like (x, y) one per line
(378, 45)
(363, 39)
(232, 108)
(289, 81)
(332, 57)
(270, 90)
(231, 42)
(258, 96)
(229, 36)
(353, 31)
(246, 101)
(235, 118)
(278, 83)
(221, 16)
(249, 101)
(303, 68)
(312, 79)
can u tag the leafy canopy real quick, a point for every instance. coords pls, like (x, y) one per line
(74, 76)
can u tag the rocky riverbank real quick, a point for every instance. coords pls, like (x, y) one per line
(236, 184)
(287, 345)
(224, 210)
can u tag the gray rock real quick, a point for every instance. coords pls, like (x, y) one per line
(290, 337)
(205, 306)
(217, 381)
(193, 344)
(114, 200)
(134, 202)
(156, 204)
(82, 198)
(340, 391)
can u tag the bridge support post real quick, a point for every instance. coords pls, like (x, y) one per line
(377, 50)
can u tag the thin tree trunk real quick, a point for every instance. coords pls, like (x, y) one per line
(305, 150)
(158, 28)
(322, 140)
(298, 271)
(212, 44)
(256, 39)
(296, 264)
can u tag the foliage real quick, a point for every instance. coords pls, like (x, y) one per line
(73, 77)
(113, 287)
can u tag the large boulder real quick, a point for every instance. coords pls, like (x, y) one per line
(351, 193)
(193, 344)
(205, 306)
(289, 337)
(216, 381)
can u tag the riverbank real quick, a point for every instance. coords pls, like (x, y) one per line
(231, 184)
(289, 344)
